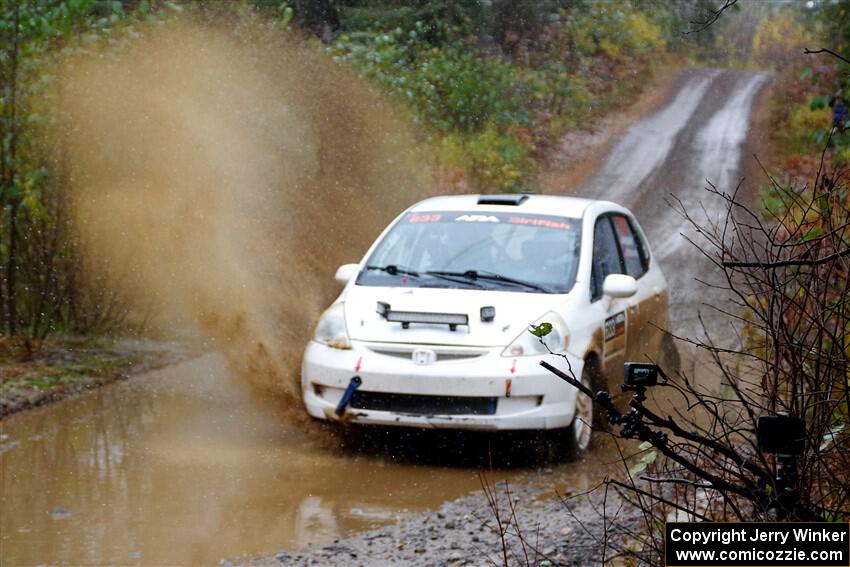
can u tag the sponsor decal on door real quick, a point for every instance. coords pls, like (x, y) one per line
(615, 334)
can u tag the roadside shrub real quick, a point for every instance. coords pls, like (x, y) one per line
(803, 123)
(779, 38)
(471, 106)
(841, 158)
(560, 97)
(378, 17)
(457, 89)
(450, 88)
(614, 29)
(383, 57)
(494, 161)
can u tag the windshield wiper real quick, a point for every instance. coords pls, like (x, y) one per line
(394, 270)
(492, 276)
(453, 277)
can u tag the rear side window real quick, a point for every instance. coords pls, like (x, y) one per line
(634, 252)
(606, 256)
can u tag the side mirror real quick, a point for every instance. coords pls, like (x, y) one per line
(619, 286)
(346, 272)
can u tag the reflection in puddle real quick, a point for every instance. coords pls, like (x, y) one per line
(179, 467)
(315, 522)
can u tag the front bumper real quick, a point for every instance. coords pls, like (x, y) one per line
(523, 395)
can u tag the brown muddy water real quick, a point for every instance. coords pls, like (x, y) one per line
(180, 467)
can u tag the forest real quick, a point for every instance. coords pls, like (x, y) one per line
(489, 87)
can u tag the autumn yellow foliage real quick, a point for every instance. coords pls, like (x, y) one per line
(779, 37)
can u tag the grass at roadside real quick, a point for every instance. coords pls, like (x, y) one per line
(65, 367)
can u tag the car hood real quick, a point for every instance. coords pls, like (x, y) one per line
(514, 312)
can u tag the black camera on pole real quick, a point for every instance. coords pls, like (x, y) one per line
(637, 377)
(781, 434)
(639, 374)
(784, 435)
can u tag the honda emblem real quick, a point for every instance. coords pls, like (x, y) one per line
(424, 356)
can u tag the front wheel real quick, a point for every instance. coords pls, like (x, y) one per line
(579, 432)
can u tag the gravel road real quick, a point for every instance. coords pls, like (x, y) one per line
(696, 137)
(699, 134)
(558, 529)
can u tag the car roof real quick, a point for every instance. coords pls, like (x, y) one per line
(572, 207)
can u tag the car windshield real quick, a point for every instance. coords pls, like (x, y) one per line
(505, 251)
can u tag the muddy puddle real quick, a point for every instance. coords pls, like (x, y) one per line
(179, 467)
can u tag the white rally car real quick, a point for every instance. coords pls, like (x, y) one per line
(432, 328)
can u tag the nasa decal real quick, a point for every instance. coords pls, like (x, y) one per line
(477, 218)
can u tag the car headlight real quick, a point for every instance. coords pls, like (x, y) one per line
(527, 344)
(331, 328)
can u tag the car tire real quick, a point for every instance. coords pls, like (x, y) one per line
(578, 436)
(668, 358)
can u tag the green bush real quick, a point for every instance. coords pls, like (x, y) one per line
(494, 161)
(471, 105)
(450, 89)
(559, 97)
(803, 126)
(612, 28)
(458, 90)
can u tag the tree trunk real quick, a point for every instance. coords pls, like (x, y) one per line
(8, 180)
(11, 272)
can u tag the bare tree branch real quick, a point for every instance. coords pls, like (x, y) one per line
(713, 16)
(791, 262)
(808, 51)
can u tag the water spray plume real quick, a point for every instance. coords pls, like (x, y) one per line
(219, 177)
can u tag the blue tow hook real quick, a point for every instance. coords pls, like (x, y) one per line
(346, 397)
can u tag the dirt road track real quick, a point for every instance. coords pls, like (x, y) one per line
(698, 136)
